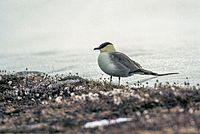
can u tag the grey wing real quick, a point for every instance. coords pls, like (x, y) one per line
(123, 59)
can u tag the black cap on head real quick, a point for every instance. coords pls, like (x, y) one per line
(103, 45)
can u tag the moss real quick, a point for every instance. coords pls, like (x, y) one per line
(28, 104)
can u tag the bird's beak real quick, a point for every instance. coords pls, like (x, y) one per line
(97, 48)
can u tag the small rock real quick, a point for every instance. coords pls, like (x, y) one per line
(146, 95)
(191, 111)
(58, 99)
(44, 102)
(138, 113)
(19, 97)
(72, 94)
(37, 95)
(10, 82)
(117, 100)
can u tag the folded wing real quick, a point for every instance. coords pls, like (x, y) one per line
(124, 60)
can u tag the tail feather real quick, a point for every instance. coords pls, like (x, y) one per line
(147, 72)
(166, 74)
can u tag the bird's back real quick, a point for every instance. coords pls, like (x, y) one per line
(123, 59)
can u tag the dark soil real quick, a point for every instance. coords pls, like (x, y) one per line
(36, 102)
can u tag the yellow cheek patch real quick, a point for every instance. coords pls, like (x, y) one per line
(108, 48)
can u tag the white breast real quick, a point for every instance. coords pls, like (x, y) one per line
(107, 66)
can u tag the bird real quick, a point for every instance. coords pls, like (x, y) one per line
(117, 64)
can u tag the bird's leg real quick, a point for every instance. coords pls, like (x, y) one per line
(119, 82)
(110, 79)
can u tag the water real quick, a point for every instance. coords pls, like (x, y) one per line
(59, 36)
(183, 60)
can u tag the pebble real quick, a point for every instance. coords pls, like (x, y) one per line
(156, 100)
(37, 94)
(146, 95)
(19, 97)
(10, 82)
(59, 99)
(117, 100)
(191, 111)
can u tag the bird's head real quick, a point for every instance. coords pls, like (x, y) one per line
(106, 47)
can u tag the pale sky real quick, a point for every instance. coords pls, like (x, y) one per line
(69, 24)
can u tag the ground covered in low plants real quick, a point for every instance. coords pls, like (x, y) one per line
(36, 102)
